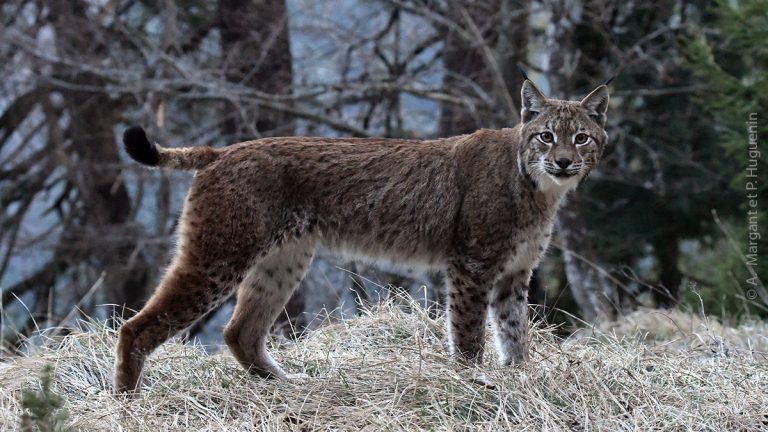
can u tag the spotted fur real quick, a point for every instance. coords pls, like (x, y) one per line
(480, 207)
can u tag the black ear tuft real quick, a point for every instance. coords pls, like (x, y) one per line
(597, 101)
(522, 72)
(610, 80)
(137, 145)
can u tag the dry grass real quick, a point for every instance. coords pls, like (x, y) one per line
(389, 371)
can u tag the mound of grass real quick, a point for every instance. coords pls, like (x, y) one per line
(389, 371)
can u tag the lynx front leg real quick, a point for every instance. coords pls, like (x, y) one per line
(509, 316)
(467, 308)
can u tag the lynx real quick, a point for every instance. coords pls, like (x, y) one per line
(480, 207)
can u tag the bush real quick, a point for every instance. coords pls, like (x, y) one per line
(42, 408)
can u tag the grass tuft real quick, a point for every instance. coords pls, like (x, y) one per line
(388, 370)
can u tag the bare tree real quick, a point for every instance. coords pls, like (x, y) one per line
(78, 163)
(255, 53)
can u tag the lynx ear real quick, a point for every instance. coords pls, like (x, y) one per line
(596, 103)
(533, 101)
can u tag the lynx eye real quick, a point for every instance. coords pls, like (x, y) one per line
(546, 137)
(581, 139)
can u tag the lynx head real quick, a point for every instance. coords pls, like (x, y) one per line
(561, 140)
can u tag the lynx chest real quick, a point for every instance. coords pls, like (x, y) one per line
(527, 249)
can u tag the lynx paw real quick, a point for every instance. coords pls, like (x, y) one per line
(296, 377)
(482, 380)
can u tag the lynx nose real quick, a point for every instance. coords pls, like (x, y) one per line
(563, 163)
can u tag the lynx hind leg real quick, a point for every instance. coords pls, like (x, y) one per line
(260, 298)
(509, 316)
(184, 295)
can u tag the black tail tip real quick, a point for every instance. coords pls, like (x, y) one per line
(137, 145)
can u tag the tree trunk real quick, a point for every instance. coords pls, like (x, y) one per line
(576, 47)
(512, 48)
(102, 233)
(579, 260)
(256, 52)
(488, 58)
(666, 248)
